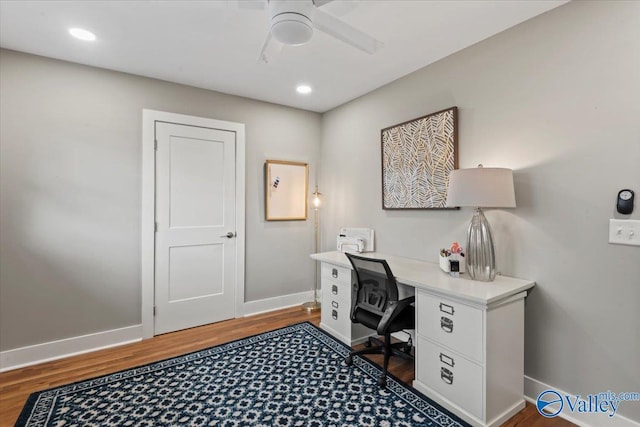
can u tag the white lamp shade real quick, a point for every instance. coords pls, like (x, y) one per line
(481, 187)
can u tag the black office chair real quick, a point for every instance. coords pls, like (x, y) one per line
(374, 303)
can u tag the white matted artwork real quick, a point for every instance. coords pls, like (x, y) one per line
(286, 187)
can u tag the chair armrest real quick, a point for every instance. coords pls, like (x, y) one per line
(393, 309)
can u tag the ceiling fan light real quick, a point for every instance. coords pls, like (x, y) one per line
(291, 29)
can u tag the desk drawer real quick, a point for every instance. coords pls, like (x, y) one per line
(337, 274)
(335, 309)
(454, 377)
(336, 289)
(450, 323)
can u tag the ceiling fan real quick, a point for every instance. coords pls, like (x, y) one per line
(294, 21)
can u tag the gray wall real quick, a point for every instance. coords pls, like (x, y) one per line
(71, 195)
(556, 99)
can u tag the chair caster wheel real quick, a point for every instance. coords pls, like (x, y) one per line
(407, 350)
(348, 360)
(367, 343)
(382, 381)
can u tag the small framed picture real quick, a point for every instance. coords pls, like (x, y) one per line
(286, 188)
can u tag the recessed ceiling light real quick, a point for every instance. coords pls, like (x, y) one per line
(81, 34)
(304, 89)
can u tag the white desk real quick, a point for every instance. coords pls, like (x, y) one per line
(469, 335)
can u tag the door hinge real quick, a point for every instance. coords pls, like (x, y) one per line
(155, 227)
(154, 310)
(155, 144)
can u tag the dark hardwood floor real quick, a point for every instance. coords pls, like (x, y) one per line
(17, 385)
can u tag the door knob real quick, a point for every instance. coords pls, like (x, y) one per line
(229, 235)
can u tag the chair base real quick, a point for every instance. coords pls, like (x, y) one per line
(399, 349)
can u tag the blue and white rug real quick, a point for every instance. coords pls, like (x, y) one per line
(294, 376)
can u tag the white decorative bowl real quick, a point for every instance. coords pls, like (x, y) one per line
(444, 262)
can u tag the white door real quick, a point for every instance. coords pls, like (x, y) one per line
(195, 263)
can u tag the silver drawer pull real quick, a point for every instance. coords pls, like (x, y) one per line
(334, 273)
(446, 324)
(334, 289)
(335, 304)
(446, 375)
(446, 308)
(334, 314)
(447, 360)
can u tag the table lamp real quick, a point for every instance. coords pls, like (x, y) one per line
(481, 188)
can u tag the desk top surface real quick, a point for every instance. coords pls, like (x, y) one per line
(429, 276)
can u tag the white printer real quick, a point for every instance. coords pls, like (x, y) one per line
(355, 240)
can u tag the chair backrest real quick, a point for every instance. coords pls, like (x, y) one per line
(375, 285)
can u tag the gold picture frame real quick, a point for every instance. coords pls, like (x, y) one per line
(286, 190)
(417, 157)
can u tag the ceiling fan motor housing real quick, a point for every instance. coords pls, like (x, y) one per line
(291, 21)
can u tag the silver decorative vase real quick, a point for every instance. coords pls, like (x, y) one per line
(480, 257)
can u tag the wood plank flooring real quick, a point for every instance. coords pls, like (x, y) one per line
(17, 385)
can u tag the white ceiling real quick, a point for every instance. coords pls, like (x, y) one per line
(215, 44)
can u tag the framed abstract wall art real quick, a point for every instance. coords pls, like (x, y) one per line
(417, 157)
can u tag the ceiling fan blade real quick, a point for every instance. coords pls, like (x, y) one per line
(319, 3)
(270, 49)
(345, 32)
(342, 8)
(249, 4)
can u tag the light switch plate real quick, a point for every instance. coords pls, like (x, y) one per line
(624, 232)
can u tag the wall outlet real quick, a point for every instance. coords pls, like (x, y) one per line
(624, 232)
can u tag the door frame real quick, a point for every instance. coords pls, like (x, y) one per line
(147, 265)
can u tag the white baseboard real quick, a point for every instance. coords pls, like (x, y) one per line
(276, 303)
(533, 388)
(45, 352)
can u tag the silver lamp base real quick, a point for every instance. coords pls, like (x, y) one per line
(311, 306)
(480, 257)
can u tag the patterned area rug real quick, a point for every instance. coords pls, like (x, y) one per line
(294, 376)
